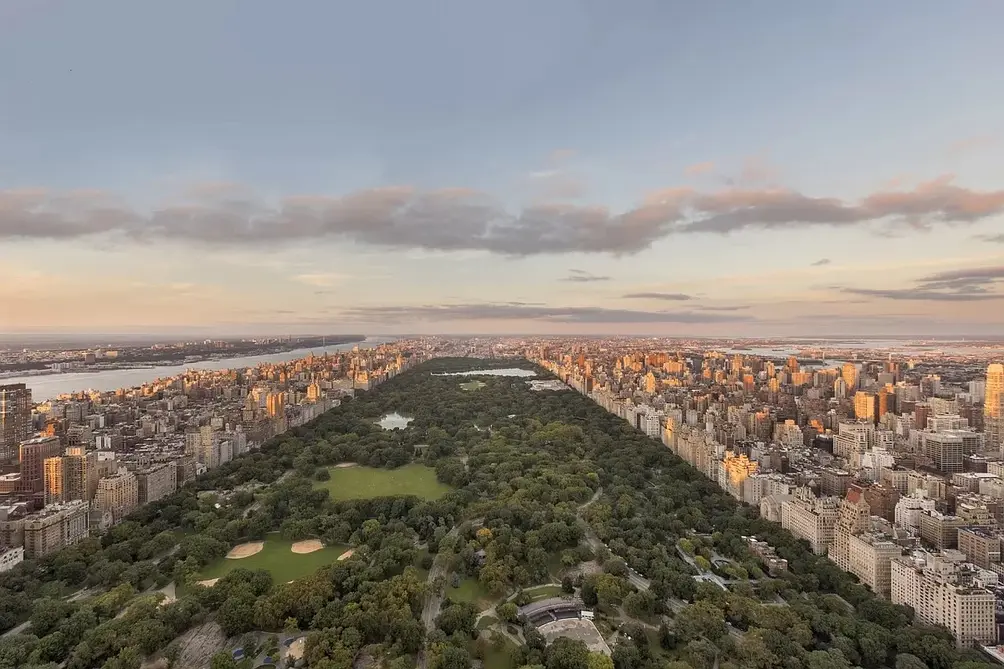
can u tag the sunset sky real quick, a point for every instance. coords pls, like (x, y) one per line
(570, 166)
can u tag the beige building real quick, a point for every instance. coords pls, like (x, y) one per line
(870, 559)
(938, 530)
(942, 592)
(810, 518)
(853, 518)
(117, 494)
(55, 527)
(156, 482)
(981, 546)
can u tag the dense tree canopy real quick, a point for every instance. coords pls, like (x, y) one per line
(524, 465)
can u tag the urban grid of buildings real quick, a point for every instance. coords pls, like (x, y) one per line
(889, 468)
(82, 462)
(895, 475)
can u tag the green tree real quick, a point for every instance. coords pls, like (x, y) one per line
(701, 620)
(565, 653)
(908, 661)
(600, 661)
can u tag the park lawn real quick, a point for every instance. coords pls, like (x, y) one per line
(275, 557)
(472, 385)
(542, 592)
(471, 590)
(486, 622)
(500, 658)
(554, 566)
(369, 482)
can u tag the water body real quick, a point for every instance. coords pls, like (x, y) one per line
(50, 385)
(509, 371)
(394, 421)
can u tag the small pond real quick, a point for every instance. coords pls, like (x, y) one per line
(394, 421)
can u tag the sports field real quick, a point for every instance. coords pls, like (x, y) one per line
(367, 482)
(277, 558)
(472, 385)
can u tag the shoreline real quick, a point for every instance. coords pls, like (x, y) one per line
(153, 364)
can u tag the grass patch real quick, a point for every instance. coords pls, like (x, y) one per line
(369, 482)
(500, 656)
(543, 592)
(554, 565)
(282, 563)
(486, 622)
(471, 590)
(472, 385)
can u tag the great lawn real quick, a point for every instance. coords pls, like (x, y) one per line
(284, 564)
(368, 482)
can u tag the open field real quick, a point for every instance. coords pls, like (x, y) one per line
(277, 558)
(500, 657)
(367, 482)
(473, 385)
(542, 592)
(471, 590)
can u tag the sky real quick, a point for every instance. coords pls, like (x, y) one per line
(722, 168)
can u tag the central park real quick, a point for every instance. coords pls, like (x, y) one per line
(498, 523)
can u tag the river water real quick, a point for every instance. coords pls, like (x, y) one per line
(50, 385)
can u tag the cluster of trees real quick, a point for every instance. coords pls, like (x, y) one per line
(523, 465)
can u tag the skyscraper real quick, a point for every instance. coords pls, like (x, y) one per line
(993, 406)
(15, 419)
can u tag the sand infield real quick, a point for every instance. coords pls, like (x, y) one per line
(308, 546)
(208, 583)
(245, 550)
(346, 555)
(346, 465)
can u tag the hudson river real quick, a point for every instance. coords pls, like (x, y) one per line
(50, 385)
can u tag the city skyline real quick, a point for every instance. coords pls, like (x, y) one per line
(650, 169)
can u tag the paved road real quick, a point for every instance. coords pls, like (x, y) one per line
(434, 599)
(19, 629)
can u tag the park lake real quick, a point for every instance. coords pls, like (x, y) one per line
(394, 421)
(508, 371)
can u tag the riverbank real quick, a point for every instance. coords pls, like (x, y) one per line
(53, 385)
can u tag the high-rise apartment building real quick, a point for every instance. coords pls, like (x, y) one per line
(853, 519)
(865, 406)
(55, 527)
(849, 373)
(156, 482)
(15, 419)
(117, 494)
(69, 477)
(993, 406)
(811, 519)
(33, 454)
(945, 593)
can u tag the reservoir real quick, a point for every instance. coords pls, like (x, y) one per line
(47, 386)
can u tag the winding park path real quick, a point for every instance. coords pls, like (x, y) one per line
(636, 579)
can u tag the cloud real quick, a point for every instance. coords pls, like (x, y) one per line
(699, 169)
(455, 219)
(735, 307)
(962, 285)
(756, 169)
(508, 311)
(922, 295)
(998, 239)
(821, 262)
(968, 144)
(318, 279)
(582, 276)
(669, 297)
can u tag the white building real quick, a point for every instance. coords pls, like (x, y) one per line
(944, 591)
